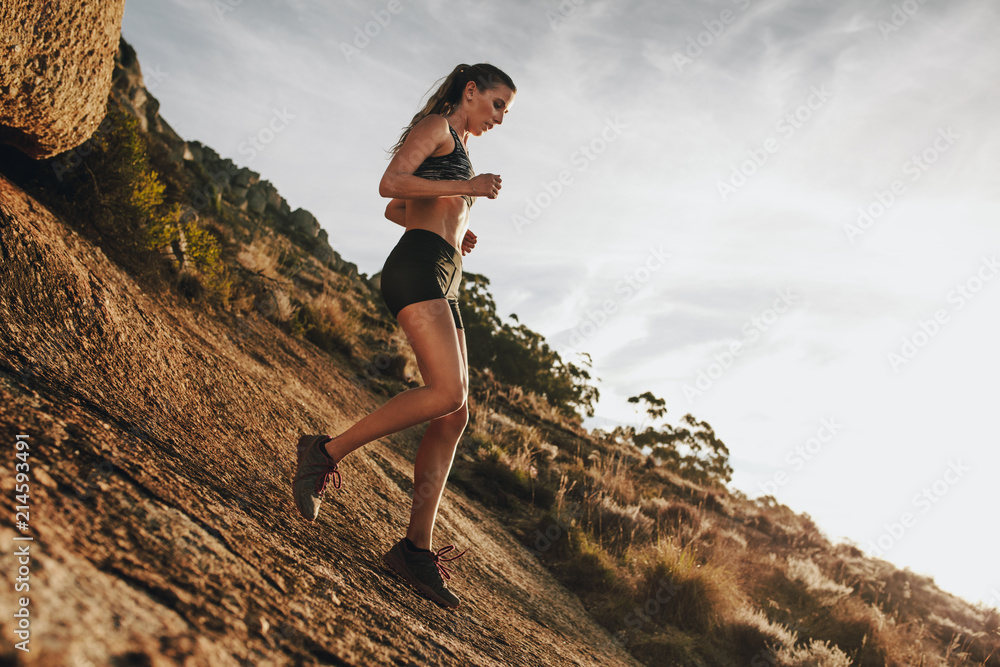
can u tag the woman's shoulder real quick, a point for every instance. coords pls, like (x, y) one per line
(433, 128)
(432, 122)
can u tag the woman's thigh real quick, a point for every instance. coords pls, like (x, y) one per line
(437, 344)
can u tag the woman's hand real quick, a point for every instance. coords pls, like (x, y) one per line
(396, 211)
(485, 185)
(469, 242)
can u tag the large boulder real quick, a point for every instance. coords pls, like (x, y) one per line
(304, 222)
(323, 252)
(256, 200)
(244, 178)
(56, 60)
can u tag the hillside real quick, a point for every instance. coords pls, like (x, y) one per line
(161, 447)
(162, 385)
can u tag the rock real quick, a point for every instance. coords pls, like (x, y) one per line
(304, 222)
(244, 178)
(274, 200)
(209, 156)
(256, 201)
(195, 150)
(130, 89)
(323, 252)
(229, 168)
(55, 71)
(237, 194)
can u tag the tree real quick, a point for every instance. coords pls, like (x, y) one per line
(519, 356)
(693, 451)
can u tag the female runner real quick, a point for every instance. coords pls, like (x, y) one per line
(432, 186)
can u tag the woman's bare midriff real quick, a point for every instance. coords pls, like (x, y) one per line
(448, 217)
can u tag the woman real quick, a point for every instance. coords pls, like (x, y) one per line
(432, 186)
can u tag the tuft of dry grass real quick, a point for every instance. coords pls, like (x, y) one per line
(815, 654)
(755, 638)
(690, 594)
(614, 476)
(805, 572)
(616, 526)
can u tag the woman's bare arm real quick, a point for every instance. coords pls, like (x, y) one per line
(427, 137)
(398, 181)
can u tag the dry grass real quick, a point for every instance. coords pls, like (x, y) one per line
(343, 323)
(805, 571)
(613, 475)
(693, 560)
(617, 527)
(700, 596)
(816, 654)
(261, 255)
(675, 518)
(755, 638)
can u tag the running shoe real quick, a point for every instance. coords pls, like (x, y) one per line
(424, 570)
(313, 471)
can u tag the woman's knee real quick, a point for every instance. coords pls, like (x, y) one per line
(450, 399)
(456, 421)
(459, 419)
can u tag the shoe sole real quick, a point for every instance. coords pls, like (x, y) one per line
(395, 563)
(303, 445)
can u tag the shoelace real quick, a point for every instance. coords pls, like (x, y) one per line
(327, 470)
(439, 557)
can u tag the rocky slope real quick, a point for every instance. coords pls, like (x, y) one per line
(161, 445)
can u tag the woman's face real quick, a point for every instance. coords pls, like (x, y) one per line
(487, 108)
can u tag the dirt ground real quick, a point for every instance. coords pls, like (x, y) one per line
(161, 444)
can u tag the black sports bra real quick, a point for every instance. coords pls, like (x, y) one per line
(455, 166)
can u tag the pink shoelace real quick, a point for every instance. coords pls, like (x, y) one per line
(439, 558)
(327, 470)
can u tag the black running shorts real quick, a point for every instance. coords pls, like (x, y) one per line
(422, 266)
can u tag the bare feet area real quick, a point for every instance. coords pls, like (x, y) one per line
(161, 444)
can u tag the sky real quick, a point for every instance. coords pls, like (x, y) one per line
(779, 216)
